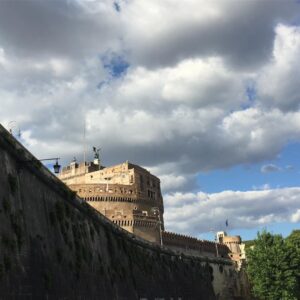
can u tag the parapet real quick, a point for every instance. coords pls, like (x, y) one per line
(187, 243)
(232, 239)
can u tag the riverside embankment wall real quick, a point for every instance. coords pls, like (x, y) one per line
(54, 246)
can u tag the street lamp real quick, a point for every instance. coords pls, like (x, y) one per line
(56, 166)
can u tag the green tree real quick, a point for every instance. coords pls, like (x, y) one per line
(293, 241)
(271, 268)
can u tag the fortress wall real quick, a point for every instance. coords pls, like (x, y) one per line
(55, 246)
(229, 284)
(193, 245)
(150, 233)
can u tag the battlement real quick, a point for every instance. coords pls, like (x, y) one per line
(187, 243)
(122, 222)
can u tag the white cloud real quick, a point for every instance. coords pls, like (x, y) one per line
(241, 32)
(173, 182)
(278, 83)
(180, 108)
(263, 187)
(203, 83)
(197, 213)
(270, 168)
(296, 216)
(58, 28)
(2, 57)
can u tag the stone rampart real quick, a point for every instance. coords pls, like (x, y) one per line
(191, 244)
(53, 245)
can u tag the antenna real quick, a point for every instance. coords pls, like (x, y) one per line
(84, 142)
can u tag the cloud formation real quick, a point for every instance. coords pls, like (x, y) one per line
(270, 168)
(178, 87)
(244, 210)
(166, 32)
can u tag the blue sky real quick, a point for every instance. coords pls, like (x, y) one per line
(204, 94)
(283, 229)
(251, 177)
(247, 177)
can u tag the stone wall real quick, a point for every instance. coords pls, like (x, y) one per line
(118, 184)
(194, 246)
(122, 204)
(55, 246)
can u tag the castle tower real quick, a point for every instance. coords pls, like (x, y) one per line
(235, 245)
(127, 194)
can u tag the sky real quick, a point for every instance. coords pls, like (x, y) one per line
(204, 94)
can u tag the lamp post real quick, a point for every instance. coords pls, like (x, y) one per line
(56, 166)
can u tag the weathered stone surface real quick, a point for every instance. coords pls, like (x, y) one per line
(53, 246)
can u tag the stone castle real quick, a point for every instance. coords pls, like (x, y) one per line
(130, 196)
(56, 246)
(126, 194)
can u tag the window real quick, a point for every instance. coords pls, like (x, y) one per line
(142, 182)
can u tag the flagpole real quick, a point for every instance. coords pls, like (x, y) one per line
(84, 143)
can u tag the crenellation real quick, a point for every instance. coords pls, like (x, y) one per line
(187, 243)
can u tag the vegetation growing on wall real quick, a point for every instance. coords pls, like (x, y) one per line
(16, 220)
(12, 181)
(6, 205)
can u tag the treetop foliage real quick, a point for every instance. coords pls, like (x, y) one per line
(273, 266)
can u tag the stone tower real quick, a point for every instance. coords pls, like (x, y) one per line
(127, 194)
